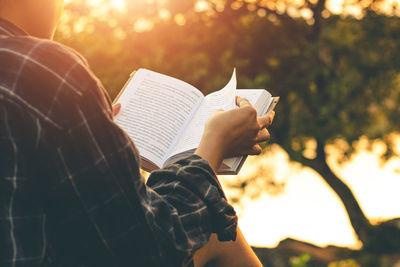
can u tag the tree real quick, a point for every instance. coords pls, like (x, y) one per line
(335, 82)
(337, 75)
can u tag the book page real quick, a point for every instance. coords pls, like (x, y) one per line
(259, 98)
(222, 99)
(155, 109)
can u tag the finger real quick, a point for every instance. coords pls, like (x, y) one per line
(242, 102)
(116, 109)
(237, 99)
(267, 119)
(271, 116)
(255, 150)
(262, 136)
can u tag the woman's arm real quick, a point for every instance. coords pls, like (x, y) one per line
(231, 133)
(234, 254)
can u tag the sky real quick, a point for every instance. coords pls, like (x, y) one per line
(307, 209)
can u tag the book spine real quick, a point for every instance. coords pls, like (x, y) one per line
(123, 88)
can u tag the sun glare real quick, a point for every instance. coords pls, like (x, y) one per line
(94, 2)
(118, 4)
(115, 4)
(143, 25)
(202, 6)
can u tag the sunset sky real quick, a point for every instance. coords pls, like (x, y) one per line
(308, 209)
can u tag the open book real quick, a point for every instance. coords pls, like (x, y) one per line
(166, 117)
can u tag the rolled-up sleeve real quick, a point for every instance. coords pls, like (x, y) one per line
(184, 204)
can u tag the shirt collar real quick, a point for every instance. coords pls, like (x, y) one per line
(10, 29)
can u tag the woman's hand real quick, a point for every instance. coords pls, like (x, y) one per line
(234, 133)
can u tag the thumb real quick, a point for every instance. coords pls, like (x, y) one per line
(116, 109)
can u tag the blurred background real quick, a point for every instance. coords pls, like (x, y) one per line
(325, 192)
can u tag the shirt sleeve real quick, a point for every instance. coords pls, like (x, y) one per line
(185, 204)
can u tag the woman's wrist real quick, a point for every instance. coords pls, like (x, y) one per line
(211, 151)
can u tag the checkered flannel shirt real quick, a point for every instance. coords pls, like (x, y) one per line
(71, 193)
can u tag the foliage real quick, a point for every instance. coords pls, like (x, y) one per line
(338, 76)
(300, 261)
(343, 85)
(344, 263)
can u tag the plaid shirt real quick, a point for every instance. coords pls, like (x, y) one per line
(71, 193)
